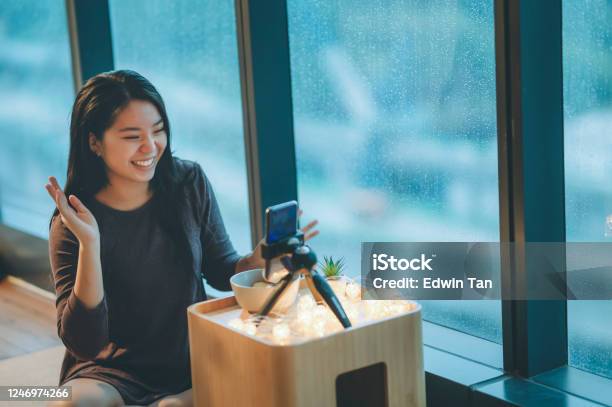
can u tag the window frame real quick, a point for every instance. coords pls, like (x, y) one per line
(532, 209)
(528, 47)
(90, 36)
(267, 106)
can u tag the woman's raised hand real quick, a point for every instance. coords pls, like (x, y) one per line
(307, 229)
(74, 214)
(255, 260)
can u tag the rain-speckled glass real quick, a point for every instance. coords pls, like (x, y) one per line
(188, 50)
(36, 94)
(395, 130)
(587, 94)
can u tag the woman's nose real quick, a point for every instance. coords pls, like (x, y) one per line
(148, 144)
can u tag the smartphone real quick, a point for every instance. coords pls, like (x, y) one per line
(281, 221)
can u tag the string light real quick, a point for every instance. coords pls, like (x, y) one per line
(307, 319)
(281, 332)
(237, 324)
(353, 291)
(318, 328)
(305, 303)
(250, 328)
(320, 311)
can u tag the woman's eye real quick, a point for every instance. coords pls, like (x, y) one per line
(160, 131)
(131, 138)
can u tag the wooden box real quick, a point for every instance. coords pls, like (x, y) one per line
(376, 364)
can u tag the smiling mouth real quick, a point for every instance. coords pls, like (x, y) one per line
(144, 163)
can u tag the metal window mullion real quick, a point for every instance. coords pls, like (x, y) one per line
(263, 49)
(504, 145)
(532, 197)
(90, 39)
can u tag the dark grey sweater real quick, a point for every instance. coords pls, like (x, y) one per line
(136, 339)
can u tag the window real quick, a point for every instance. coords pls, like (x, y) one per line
(36, 90)
(587, 58)
(395, 130)
(188, 50)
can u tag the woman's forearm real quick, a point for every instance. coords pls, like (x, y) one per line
(88, 285)
(249, 262)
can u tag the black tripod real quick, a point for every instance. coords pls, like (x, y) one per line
(298, 259)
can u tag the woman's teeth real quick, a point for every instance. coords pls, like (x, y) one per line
(146, 163)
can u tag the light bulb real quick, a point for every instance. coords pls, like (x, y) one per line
(320, 311)
(305, 317)
(281, 332)
(250, 328)
(306, 302)
(352, 312)
(237, 324)
(353, 291)
(318, 327)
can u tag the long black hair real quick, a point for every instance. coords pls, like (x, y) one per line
(95, 109)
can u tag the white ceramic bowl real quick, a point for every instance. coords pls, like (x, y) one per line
(253, 299)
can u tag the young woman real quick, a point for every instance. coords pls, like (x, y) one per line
(134, 232)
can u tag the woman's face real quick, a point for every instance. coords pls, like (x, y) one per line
(133, 145)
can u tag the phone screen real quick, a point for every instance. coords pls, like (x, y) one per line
(281, 221)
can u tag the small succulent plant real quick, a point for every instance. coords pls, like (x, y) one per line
(332, 268)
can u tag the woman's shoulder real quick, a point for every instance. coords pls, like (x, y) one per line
(187, 169)
(194, 179)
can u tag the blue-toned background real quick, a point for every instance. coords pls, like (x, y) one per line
(395, 123)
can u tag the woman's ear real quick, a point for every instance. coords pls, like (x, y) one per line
(94, 144)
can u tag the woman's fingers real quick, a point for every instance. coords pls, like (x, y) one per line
(68, 207)
(58, 195)
(61, 202)
(55, 195)
(50, 191)
(52, 188)
(310, 226)
(54, 182)
(77, 204)
(63, 207)
(311, 235)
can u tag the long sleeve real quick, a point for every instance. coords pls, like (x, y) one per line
(83, 331)
(219, 257)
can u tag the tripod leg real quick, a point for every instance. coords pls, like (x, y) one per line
(328, 294)
(313, 289)
(273, 299)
